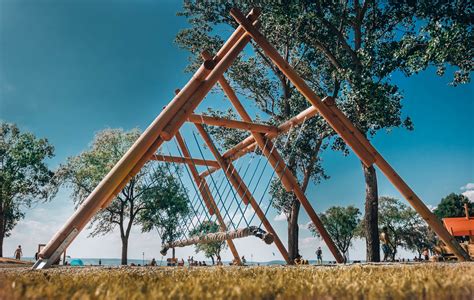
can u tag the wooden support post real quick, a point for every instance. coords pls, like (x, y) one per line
(242, 190)
(185, 160)
(171, 118)
(349, 136)
(286, 176)
(206, 194)
(402, 186)
(234, 124)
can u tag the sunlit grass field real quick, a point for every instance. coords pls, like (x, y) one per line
(417, 281)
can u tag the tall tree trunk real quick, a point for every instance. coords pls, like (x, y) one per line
(293, 229)
(2, 231)
(212, 259)
(371, 215)
(124, 250)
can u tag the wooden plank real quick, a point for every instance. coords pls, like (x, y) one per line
(185, 160)
(248, 144)
(216, 121)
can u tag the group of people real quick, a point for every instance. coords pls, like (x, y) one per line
(194, 263)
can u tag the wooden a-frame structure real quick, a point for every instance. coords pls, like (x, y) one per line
(180, 110)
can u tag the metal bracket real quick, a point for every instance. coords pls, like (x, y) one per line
(45, 263)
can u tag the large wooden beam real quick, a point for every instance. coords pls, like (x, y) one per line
(287, 178)
(169, 120)
(359, 144)
(185, 160)
(206, 195)
(216, 121)
(242, 189)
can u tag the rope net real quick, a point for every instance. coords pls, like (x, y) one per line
(234, 218)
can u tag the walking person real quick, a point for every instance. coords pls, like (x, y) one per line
(319, 255)
(18, 253)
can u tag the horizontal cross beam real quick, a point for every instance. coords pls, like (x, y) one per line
(185, 160)
(234, 124)
(249, 144)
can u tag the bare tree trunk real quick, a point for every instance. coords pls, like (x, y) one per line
(2, 231)
(124, 251)
(212, 259)
(293, 230)
(371, 215)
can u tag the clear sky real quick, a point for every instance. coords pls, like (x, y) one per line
(71, 68)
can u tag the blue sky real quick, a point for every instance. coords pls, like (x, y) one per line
(71, 68)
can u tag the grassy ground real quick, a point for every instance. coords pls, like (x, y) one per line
(418, 281)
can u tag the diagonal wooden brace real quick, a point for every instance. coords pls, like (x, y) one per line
(206, 195)
(239, 185)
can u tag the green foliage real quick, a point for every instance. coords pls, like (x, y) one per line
(405, 227)
(453, 206)
(213, 249)
(149, 194)
(420, 237)
(165, 205)
(24, 175)
(341, 224)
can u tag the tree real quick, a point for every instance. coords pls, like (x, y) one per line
(346, 49)
(453, 206)
(210, 250)
(400, 221)
(341, 224)
(165, 206)
(24, 175)
(419, 237)
(151, 186)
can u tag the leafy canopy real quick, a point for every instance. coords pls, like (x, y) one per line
(341, 224)
(210, 250)
(406, 228)
(165, 206)
(25, 177)
(453, 206)
(153, 193)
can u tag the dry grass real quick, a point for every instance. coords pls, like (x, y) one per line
(420, 281)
